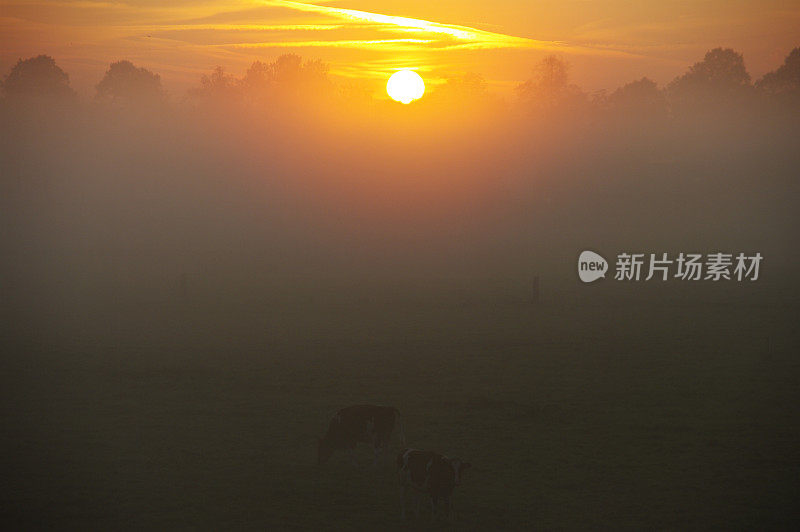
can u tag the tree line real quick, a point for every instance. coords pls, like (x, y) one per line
(719, 81)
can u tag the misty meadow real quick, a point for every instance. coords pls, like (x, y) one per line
(193, 284)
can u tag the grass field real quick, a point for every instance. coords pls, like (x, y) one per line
(599, 414)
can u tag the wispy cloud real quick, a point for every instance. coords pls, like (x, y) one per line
(395, 44)
(464, 36)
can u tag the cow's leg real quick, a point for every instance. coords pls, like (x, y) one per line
(381, 453)
(377, 445)
(386, 456)
(403, 480)
(434, 504)
(404, 502)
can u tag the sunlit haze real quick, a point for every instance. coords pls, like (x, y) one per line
(607, 43)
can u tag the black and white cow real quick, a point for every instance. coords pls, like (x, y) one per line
(368, 424)
(427, 472)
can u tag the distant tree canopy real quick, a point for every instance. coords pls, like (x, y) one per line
(784, 80)
(638, 99)
(287, 75)
(549, 88)
(719, 79)
(38, 77)
(721, 69)
(719, 84)
(124, 81)
(217, 86)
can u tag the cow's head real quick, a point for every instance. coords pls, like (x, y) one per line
(324, 450)
(459, 466)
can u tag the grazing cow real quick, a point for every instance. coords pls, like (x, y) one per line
(421, 472)
(368, 424)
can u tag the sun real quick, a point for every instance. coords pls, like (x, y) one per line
(405, 86)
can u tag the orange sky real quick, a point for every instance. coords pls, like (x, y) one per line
(607, 43)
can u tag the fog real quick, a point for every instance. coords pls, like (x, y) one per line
(307, 186)
(192, 284)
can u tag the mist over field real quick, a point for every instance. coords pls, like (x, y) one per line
(192, 284)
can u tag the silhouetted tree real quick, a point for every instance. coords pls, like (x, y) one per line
(258, 78)
(784, 80)
(217, 86)
(290, 72)
(38, 78)
(718, 80)
(287, 76)
(551, 74)
(124, 81)
(549, 90)
(638, 99)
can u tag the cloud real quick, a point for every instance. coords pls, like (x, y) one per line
(394, 44)
(468, 37)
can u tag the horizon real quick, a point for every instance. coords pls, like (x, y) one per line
(366, 41)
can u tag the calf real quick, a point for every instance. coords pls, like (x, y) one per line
(368, 424)
(427, 472)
